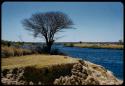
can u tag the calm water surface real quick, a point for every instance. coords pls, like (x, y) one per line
(111, 59)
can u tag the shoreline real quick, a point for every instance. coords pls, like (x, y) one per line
(94, 47)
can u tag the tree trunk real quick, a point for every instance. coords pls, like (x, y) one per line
(49, 45)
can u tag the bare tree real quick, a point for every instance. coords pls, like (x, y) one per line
(47, 24)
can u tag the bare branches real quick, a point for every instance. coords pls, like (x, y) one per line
(47, 24)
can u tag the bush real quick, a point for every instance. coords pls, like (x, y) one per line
(43, 50)
(56, 51)
(69, 45)
(16, 51)
(40, 50)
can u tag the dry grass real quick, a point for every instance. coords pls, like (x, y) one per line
(109, 46)
(35, 60)
(13, 51)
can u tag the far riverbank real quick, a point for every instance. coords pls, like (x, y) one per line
(96, 46)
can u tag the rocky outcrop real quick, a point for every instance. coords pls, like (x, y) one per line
(81, 73)
(87, 73)
(34, 76)
(13, 76)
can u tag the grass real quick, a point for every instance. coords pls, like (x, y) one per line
(13, 51)
(37, 61)
(43, 68)
(107, 46)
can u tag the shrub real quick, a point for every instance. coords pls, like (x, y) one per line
(40, 50)
(71, 45)
(80, 42)
(56, 51)
(8, 44)
(43, 50)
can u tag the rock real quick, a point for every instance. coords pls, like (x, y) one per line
(87, 73)
(21, 82)
(30, 83)
(9, 76)
(83, 63)
(39, 83)
(4, 80)
(65, 57)
(13, 71)
(57, 81)
(91, 81)
(5, 71)
(82, 73)
(14, 82)
(20, 70)
(20, 76)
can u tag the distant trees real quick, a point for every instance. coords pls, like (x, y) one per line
(6, 43)
(11, 43)
(80, 42)
(120, 42)
(46, 25)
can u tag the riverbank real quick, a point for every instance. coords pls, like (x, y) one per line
(36, 60)
(46, 69)
(35, 69)
(98, 46)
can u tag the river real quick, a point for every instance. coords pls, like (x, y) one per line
(111, 59)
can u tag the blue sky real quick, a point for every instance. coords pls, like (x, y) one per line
(95, 21)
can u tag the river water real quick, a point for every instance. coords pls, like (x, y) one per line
(111, 59)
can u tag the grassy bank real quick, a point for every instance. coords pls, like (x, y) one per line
(35, 60)
(99, 46)
(36, 68)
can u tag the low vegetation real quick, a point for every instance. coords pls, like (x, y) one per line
(13, 51)
(99, 46)
(10, 51)
(35, 60)
(35, 69)
(69, 44)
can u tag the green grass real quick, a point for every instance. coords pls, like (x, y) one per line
(37, 61)
(107, 46)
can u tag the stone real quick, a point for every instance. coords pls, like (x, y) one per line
(30, 83)
(5, 71)
(82, 73)
(39, 83)
(13, 71)
(9, 76)
(87, 73)
(4, 80)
